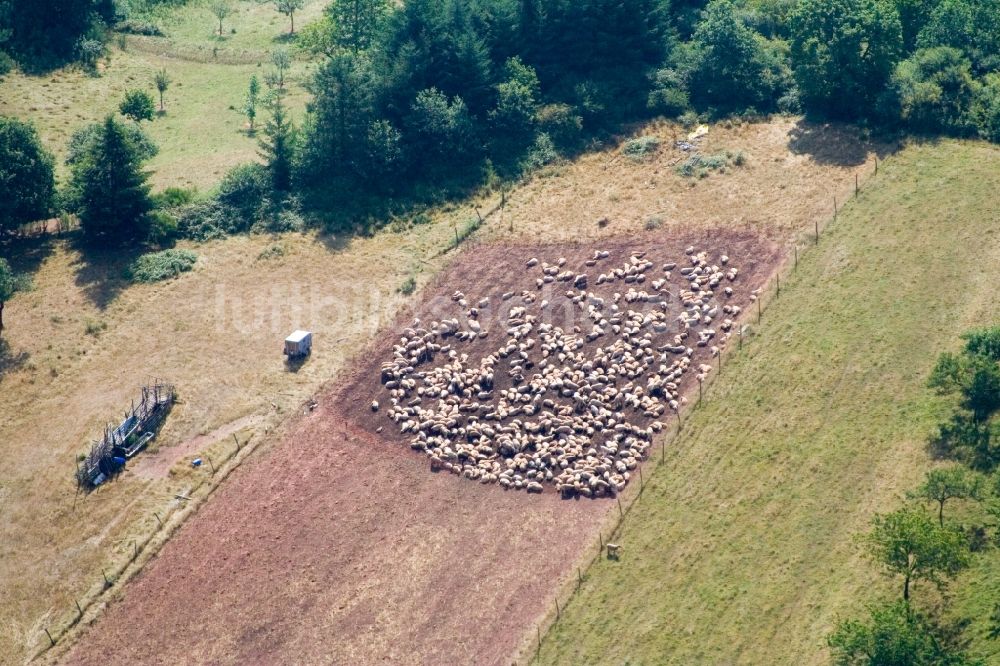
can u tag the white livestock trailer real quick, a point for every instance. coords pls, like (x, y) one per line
(298, 344)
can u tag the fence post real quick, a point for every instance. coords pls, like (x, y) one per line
(51, 640)
(857, 187)
(237, 442)
(107, 583)
(621, 513)
(796, 248)
(777, 283)
(78, 609)
(158, 519)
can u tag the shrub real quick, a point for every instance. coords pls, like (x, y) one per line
(702, 165)
(205, 220)
(94, 327)
(162, 228)
(6, 63)
(653, 223)
(408, 287)
(137, 105)
(271, 252)
(135, 26)
(641, 147)
(173, 197)
(163, 265)
(542, 152)
(562, 124)
(244, 188)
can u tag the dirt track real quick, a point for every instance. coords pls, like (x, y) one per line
(339, 546)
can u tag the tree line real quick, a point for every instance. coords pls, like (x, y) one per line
(416, 101)
(441, 94)
(917, 546)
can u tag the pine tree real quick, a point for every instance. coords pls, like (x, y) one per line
(277, 147)
(113, 195)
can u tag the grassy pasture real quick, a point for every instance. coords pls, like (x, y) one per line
(215, 332)
(201, 135)
(740, 550)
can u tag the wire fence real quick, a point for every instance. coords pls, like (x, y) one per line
(166, 522)
(218, 470)
(530, 651)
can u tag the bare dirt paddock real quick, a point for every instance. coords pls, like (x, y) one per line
(340, 546)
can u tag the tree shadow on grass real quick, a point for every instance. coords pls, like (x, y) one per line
(11, 361)
(836, 144)
(27, 253)
(100, 271)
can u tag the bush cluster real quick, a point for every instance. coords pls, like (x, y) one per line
(163, 265)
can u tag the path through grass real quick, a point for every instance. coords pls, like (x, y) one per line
(741, 548)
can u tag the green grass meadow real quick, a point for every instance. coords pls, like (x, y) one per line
(202, 134)
(741, 549)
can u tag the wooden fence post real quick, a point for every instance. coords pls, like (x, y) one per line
(51, 640)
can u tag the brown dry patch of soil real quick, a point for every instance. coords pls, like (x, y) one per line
(338, 545)
(490, 271)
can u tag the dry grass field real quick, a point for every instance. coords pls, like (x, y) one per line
(79, 344)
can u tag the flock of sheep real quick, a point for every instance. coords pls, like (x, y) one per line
(573, 405)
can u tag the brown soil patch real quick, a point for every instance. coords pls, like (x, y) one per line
(338, 545)
(485, 273)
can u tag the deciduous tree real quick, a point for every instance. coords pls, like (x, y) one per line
(137, 105)
(894, 634)
(288, 8)
(250, 102)
(162, 81)
(220, 9)
(26, 175)
(945, 483)
(910, 544)
(843, 53)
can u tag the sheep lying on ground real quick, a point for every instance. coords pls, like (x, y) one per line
(574, 407)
